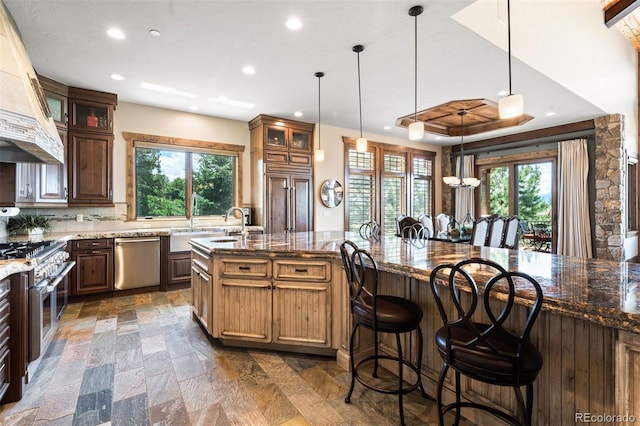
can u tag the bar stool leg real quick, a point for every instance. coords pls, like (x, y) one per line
(375, 352)
(443, 375)
(400, 381)
(529, 417)
(420, 346)
(457, 422)
(352, 363)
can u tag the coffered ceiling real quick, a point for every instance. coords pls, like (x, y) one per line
(197, 60)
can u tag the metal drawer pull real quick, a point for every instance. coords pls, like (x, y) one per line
(244, 268)
(302, 270)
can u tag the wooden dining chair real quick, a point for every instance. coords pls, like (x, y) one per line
(510, 235)
(496, 232)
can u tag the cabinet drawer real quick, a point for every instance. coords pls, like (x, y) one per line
(296, 159)
(275, 157)
(201, 260)
(243, 268)
(92, 244)
(302, 270)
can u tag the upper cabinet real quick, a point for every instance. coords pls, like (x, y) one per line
(281, 134)
(91, 111)
(57, 95)
(90, 151)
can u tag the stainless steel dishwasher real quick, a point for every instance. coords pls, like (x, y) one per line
(137, 262)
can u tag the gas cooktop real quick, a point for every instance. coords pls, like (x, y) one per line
(22, 250)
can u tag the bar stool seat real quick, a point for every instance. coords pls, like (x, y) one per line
(381, 314)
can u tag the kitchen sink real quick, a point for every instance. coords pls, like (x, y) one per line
(179, 238)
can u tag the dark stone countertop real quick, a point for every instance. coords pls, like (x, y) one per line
(601, 291)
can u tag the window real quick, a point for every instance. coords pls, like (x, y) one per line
(177, 178)
(386, 181)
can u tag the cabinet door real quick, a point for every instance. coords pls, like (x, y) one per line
(90, 169)
(300, 140)
(203, 298)
(275, 137)
(277, 203)
(58, 107)
(302, 203)
(302, 313)
(52, 179)
(8, 189)
(90, 116)
(26, 182)
(179, 268)
(93, 272)
(245, 310)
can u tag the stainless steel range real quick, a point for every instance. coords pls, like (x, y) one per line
(49, 294)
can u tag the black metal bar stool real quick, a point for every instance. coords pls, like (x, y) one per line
(381, 314)
(486, 352)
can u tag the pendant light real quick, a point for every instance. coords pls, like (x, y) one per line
(416, 129)
(361, 142)
(512, 105)
(460, 181)
(319, 154)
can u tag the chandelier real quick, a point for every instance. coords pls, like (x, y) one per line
(460, 181)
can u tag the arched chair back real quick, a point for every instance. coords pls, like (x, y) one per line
(496, 231)
(442, 221)
(407, 226)
(486, 351)
(480, 231)
(427, 222)
(381, 314)
(370, 231)
(398, 228)
(510, 236)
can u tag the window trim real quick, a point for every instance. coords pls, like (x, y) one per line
(379, 149)
(152, 141)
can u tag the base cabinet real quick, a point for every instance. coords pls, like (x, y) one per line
(179, 268)
(286, 302)
(94, 266)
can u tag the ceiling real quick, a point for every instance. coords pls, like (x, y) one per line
(204, 46)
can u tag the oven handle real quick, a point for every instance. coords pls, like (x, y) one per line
(61, 276)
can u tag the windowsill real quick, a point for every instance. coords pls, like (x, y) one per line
(631, 234)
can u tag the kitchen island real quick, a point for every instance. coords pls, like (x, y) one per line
(588, 330)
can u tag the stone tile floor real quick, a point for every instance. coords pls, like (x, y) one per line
(140, 360)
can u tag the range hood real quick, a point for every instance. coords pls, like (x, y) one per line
(27, 131)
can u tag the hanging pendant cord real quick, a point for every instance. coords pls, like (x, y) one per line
(415, 70)
(319, 138)
(359, 94)
(461, 167)
(509, 41)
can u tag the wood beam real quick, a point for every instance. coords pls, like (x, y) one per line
(533, 134)
(618, 11)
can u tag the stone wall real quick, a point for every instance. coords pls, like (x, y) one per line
(609, 173)
(447, 193)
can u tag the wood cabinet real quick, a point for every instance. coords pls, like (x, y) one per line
(282, 174)
(90, 152)
(8, 189)
(282, 301)
(179, 268)
(26, 183)
(90, 169)
(94, 266)
(202, 289)
(57, 95)
(13, 335)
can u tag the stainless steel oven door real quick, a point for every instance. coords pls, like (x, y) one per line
(43, 310)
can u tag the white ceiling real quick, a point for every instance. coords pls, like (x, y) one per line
(205, 44)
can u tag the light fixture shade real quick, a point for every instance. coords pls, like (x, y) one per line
(451, 180)
(511, 106)
(416, 130)
(471, 181)
(361, 144)
(319, 155)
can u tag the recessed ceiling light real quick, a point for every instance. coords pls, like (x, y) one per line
(116, 33)
(550, 114)
(154, 33)
(117, 77)
(294, 23)
(193, 108)
(249, 70)
(297, 114)
(503, 93)
(387, 127)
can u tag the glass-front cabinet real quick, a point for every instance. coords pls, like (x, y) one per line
(91, 116)
(58, 107)
(287, 138)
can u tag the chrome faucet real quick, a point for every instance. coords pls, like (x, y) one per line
(194, 206)
(238, 209)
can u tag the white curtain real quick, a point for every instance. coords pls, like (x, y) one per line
(574, 225)
(464, 196)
